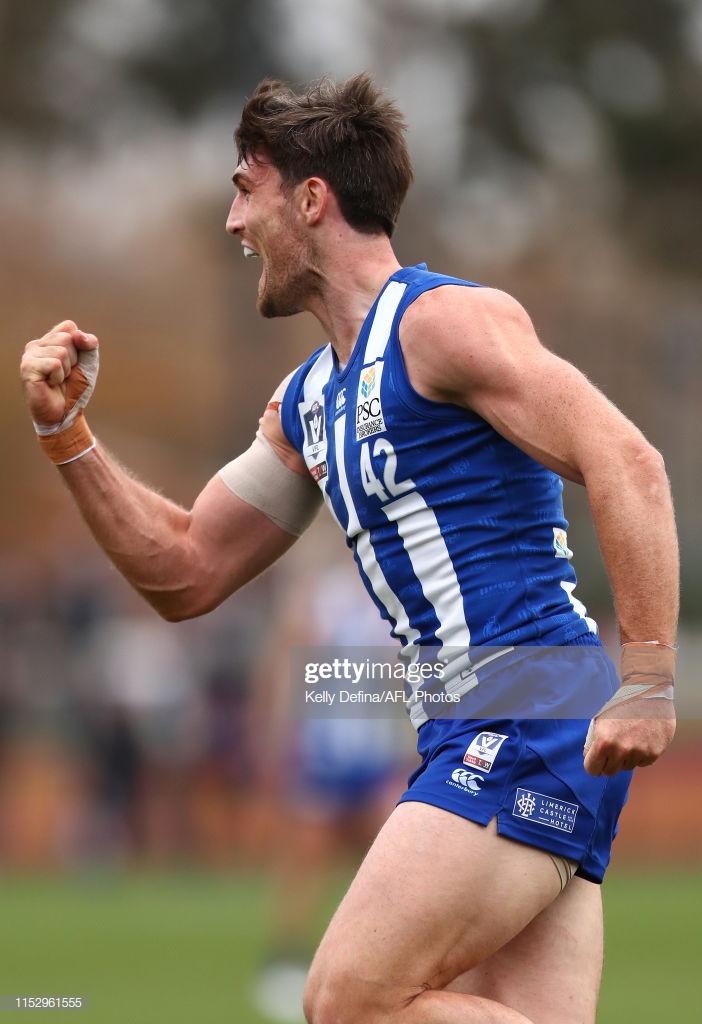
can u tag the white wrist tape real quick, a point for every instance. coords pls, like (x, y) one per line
(647, 660)
(624, 695)
(627, 693)
(261, 479)
(71, 438)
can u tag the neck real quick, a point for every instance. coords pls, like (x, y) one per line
(355, 271)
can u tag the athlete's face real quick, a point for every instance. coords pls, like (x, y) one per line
(263, 217)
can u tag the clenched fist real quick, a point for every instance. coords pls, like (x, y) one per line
(58, 374)
(635, 727)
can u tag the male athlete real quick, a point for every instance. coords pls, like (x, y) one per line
(436, 428)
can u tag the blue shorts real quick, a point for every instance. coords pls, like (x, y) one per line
(528, 772)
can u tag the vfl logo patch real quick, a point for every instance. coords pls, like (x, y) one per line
(545, 810)
(314, 434)
(483, 750)
(314, 424)
(369, 409)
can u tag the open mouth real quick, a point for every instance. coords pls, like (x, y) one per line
(250, 254)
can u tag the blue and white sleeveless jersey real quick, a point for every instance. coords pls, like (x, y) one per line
(459, 536)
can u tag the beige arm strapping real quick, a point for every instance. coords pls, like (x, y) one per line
(261, 479)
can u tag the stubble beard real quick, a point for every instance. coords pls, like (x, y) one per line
(287, 295)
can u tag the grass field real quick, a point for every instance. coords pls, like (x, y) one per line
(178, 948)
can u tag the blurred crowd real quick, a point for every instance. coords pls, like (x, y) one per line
(111, 720)
(127, 739)
(129, 743)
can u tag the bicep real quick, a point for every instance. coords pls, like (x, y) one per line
(253, 510)
(550, 410)
(231, 541)
(485, 356)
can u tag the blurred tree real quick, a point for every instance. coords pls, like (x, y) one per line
(631, 72)
(67, 66)
(25, 31)
(212, 47)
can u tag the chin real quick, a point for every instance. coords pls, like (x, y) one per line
(270, 307)
(269, 313)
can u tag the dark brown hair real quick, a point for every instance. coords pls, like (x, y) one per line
(344, 132)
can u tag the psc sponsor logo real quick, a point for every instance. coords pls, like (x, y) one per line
(369, 409)
(483, 750)
(368, 382)
(369, 419)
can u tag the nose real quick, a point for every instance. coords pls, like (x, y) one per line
(235, 221)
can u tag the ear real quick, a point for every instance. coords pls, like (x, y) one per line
(314, 200)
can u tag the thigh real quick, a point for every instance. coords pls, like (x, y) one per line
(551, 971)
(436, 895)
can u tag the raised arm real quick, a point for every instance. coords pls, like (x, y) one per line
(184, 563)
(478, 349)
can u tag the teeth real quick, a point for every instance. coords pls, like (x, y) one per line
(250, 254)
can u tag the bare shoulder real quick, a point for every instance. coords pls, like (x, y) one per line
(455, 337)
(477, 348)
(476, 310)
(464, 298)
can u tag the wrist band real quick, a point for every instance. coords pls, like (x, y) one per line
(68, 445)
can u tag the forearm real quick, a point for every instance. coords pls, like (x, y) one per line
(144, 534)
(183, 563)
(633, 513)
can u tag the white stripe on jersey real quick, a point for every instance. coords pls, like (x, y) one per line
(379, 334)
(354, 527)
(421, 535)
(364, 549)
(318, 376)
(387, 597)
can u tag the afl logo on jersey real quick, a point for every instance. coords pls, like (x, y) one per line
(369, 409)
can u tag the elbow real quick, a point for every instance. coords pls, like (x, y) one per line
(648, 465)
(644, 474)
(634, 468)
(181, 604)
(171, 614)
(188, 587)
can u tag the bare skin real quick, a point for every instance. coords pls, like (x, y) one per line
(412, 938)
(446, 921)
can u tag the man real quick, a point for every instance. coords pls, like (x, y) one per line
(436, 428)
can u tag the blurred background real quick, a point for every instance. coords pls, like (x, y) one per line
(153, 821)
